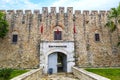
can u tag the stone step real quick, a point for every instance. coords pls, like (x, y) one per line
(59, 76)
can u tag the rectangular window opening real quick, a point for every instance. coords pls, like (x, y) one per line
(97, 37)
(57, 35)
(15, 38)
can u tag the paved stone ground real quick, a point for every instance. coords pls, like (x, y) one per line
(59, 76)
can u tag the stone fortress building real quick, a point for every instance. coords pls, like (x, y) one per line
(58, 40)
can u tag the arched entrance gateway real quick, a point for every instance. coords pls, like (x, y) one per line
(58, 56)
(57, 61)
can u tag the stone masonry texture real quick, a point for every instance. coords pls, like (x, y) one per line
(88, 52)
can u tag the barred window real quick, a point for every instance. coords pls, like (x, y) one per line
(15, 38)
(97, 37)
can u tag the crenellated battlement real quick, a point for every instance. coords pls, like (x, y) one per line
(50, 17)
(45, 11)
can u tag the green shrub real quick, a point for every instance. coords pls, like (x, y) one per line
(5, 73)
(17, 72)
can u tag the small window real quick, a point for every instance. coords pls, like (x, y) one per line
(57, 35)
(15, 38)
(23, 22)
(97, 37)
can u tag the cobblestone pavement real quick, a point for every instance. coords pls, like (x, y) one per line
(59, 76)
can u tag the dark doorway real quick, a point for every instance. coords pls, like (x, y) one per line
(57, 61)
(61, 62)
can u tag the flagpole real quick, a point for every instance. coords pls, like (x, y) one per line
(75, 47)
(74, 31)
(39, 43)
(40, 33)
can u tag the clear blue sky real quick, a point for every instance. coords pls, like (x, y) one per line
(76, 4)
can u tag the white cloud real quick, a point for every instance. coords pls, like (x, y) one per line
(60, 3)
(87, 4)
(9, 2)
(18, 4)
(6, 1)
(76, 4)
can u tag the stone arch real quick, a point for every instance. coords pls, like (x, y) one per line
(57, 50)
(15, 32)
(59, 58)
(97, 31)
(58, 27)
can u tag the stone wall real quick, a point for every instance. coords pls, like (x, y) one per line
(91, 53)
(85, 75)
(88, 52)
(35, 74)
(24, 53)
